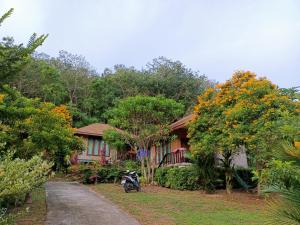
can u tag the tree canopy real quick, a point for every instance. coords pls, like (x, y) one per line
(144, 121)
(244, 110)
(30, 127)
(69, 79)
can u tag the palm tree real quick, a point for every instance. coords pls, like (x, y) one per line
(286, 210)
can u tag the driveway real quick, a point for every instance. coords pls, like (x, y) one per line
(69, 203)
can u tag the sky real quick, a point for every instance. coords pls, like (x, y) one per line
(213, 37)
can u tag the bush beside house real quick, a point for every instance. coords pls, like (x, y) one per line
(107, 173)
(189, 178)
(180, 178)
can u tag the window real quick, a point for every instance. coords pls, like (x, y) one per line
(96, 146)
(107, 152)
(161, 150)
(90, 146)
(102, 145)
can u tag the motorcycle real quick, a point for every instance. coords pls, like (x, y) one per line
(130, 181)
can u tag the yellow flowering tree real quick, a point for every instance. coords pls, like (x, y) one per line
(245, 110)
(31, 127)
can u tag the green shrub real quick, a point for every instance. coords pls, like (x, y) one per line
(19, 177)
(108, 174)
(161, 175)
(184, 178)
(131, 166)
(281, 174)
(114, 174)
(5, 218)
(205, 166)
(87, 173)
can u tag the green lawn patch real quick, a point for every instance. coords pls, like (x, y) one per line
(162, 206)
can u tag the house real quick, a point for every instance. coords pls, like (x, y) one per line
(167, 153)
(96, 149)
(173, 152)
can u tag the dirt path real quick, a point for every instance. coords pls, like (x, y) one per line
(69, 203)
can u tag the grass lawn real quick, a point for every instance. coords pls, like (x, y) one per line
(162, 206)
(35, 212)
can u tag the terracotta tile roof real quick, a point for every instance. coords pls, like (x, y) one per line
(95, 129)
(182, 123)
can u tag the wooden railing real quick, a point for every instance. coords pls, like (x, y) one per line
(173, 157)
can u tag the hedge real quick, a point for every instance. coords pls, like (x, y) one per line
(188, 178)
(180, 178)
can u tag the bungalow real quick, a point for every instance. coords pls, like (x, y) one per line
(96, 149)
(174, 152)
(167, 153)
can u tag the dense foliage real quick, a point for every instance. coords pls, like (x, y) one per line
(206, 170)
(69, 79)
(144, 121)
(245, 111)
(31, 127)
(185, 178)
(282, 176)
(107, 173)
(18, 177)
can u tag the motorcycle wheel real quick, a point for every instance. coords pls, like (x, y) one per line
(138, 189)
(126, 187)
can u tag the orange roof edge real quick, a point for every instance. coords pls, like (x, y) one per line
(182, 123)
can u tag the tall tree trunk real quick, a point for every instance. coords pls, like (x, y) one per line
(228, 170)
(258, 170)
(143, 168)
(152, 173)
(148, 170)
(228, 180)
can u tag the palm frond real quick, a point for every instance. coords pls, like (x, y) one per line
(34, 42)
(6, 15)
(282, 211)
(286, 208)
(31, 40)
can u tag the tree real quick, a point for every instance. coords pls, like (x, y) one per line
(211, 133)
(13, 57)
(32, 127)
(144, 121)
(242, 111)
(164, 77)
(174, 80)
(39, 78)
(76, 75)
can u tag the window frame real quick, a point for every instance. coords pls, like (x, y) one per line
(101, 143)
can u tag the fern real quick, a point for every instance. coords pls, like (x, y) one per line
(6, 15)
(35, 42)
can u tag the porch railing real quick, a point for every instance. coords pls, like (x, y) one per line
(177, 156)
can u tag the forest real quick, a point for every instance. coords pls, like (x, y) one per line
(70, 80)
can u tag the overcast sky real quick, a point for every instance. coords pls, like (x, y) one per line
(213, 37)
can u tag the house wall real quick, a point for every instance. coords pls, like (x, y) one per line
(239, 159)
(175, 144)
